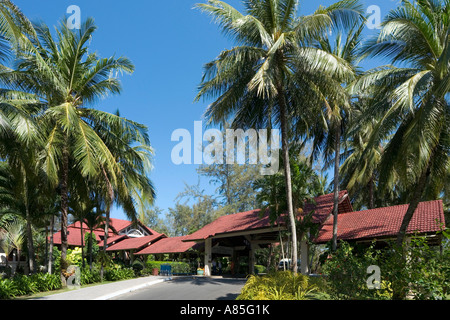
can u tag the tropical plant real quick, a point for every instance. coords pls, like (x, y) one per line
(337, 107)
(67, 78)
(283, 285)
(411, 99)
(273, 74)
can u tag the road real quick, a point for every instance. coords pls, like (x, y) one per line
(189, 288)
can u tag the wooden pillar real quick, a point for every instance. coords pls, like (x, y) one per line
(251, 259)
(208, 256)
(304, 257)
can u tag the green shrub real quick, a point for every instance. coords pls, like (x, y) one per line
(24, 285)
(346, 272)
(283, 285)
(177, 267)
(417, 271)
(260, 269)
(117, 273)
(46, 281)
(89, 276)
(7, 289)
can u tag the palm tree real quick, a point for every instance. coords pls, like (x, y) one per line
(94, 219)
(15, 236)
(332, 122)
(132, 152)
(412, 98)
(271, 75)
(67, 79)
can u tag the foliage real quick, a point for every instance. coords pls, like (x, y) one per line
(21, 285)
(74, 257)
(416, 272)
(346, 272)
(117, 273)
(177, 267)
(283, 285)
(89, 276)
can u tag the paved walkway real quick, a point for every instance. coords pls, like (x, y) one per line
(107, 291)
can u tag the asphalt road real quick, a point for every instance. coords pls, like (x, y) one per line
(189, 288)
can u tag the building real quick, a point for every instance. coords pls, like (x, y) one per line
(240, 234)
(243, 233)
(120, 230)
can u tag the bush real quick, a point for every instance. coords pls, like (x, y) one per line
(89, 276)
(21, 285)
(418, 272)
(46, 281)
(283, 285)
(117, 273)
(177, 267)
(260, 269)
(347, 274)
(7, 289)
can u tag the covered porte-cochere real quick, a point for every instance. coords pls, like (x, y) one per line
(241, 234)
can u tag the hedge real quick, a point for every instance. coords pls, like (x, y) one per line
(177, 267)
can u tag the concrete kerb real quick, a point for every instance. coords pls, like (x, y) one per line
(131, 289)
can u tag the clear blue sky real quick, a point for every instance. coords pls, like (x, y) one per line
(169, 42)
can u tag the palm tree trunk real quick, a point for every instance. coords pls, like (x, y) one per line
(287, 174)
(64, 211)
(337, 147)
(50, 249)
(82, 244)
(108, 208)
(31, 255)
(30, 244)
(372, 192)
(90, 248)
(414, 203)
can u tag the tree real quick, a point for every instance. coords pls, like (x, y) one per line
(414, 35)
(67, 78)
(130, 147)
(14, 232)
(272, 71)
(337, 106)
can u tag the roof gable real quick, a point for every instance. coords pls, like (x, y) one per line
(169, 245)
(135, 243)
(384, 222)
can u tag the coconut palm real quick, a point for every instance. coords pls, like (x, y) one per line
(67, 79)
(331, 125)
(132, 152)
(271, 75)
(14, 232)
(412, 98)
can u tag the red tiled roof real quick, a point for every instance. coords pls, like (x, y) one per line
(243, 221)
(74, 232)
(168, 245)
(74, 236)
(323, 206)
(252, 220)
(112, 239)
(135, 243)
(383, 222)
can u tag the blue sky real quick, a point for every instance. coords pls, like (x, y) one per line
(169, 42)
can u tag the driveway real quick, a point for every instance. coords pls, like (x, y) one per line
(189, 288)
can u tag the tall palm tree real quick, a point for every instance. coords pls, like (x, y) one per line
(412, 98)
(337, 108)
(67, 78)
(271, 74)
(132, 152)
